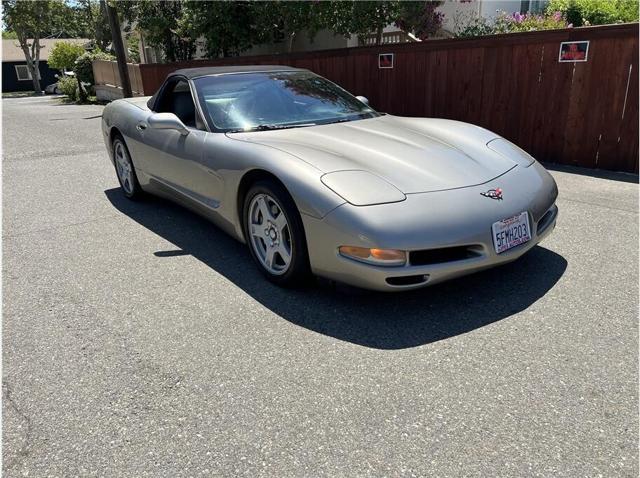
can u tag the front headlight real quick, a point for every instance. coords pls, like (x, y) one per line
(378, 257)
(511, 151)
(362, 188)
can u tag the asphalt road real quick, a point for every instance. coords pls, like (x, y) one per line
(138, 340)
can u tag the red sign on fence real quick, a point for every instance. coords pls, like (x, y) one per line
(572, 51)
(385, 60)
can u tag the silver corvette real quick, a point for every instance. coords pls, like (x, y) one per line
(317, 182)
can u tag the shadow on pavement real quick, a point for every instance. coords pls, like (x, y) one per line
(593, 173)
(381, 321)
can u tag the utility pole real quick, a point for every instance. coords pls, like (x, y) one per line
(118, 46)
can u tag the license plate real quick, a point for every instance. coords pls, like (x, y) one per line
(511, 232)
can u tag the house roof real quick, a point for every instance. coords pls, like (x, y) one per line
(11, 50)
(221, 70)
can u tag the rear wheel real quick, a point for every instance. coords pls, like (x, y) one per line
(275, 235)
(124, 169)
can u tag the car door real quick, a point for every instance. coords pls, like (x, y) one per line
(175, 159)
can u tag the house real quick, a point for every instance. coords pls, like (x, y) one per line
(457, 13)
(16, 75)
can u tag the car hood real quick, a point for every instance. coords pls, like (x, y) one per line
(413, 154)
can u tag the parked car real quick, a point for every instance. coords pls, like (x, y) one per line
(54, 88)
(315, 181)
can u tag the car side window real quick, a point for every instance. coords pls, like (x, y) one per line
(177, 99)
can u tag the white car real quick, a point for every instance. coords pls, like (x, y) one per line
(52, 89)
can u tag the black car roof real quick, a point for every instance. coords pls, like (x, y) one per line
(191, 73)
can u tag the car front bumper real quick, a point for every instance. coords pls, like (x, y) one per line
(429, 221)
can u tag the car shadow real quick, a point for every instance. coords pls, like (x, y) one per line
(593, 173)
(371, 319)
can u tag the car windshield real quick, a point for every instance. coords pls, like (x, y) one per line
(275, 100)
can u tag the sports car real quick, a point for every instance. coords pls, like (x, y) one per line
(316, 182)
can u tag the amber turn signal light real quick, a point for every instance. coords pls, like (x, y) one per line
(381, 257)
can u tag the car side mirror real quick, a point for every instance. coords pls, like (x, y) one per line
(167, 121)
(363, 99)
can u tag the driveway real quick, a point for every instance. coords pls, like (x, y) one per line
(138, 340)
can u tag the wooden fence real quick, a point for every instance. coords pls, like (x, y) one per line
(583, 114)
(107, 79)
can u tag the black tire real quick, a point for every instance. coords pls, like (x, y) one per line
(298, 272)
(134, 192)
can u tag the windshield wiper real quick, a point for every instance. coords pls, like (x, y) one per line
(355, 117)
(267, 127)
(271, 127)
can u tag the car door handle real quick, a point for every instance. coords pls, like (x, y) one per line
(141, 126)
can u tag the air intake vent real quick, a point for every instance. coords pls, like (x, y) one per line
(547, 219)
(407, 280)
(442, 255)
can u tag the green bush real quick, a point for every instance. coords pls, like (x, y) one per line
(69, 86)
(509, 23)
(528, 22)
(63, 55)
(83, 68)
(474, 26)
(595, 12)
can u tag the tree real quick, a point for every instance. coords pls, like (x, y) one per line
(163, 25)
(420, 18)
(93, 17)
(360, 18)
(595, 12)
(227, 27)
(63, 55)
(363, 18)
(283, 20)
(29, 20)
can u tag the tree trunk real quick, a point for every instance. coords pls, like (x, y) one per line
(379, 36)
(82, 94)
(32, 61)
(35, 76)
(292, 36)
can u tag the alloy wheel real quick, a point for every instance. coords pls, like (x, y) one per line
(124, 167)
(270, 235)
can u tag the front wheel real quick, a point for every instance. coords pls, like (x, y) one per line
(124, 169)
(275, 235)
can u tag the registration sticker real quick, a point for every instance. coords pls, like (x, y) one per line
(511, 232)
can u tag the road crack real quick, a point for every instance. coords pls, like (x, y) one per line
(24, 450)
